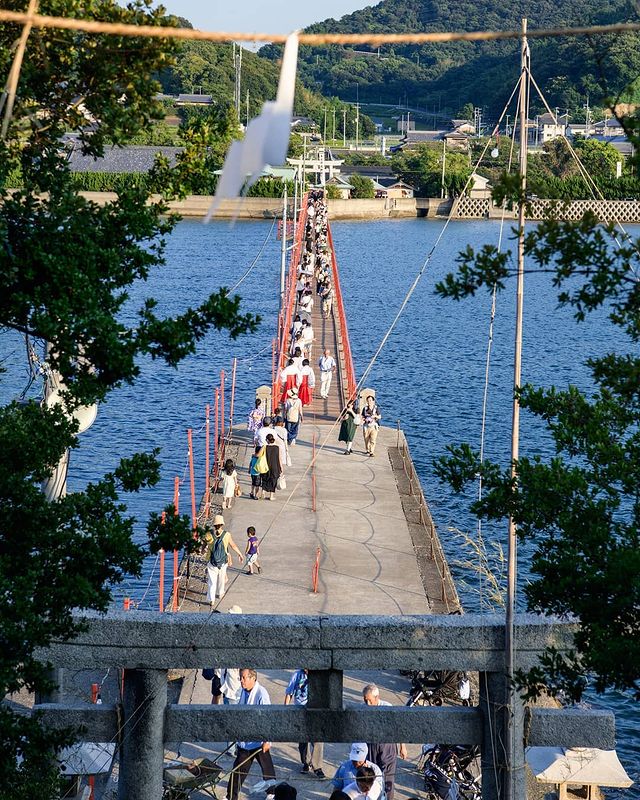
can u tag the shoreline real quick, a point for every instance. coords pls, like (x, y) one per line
(466, 208)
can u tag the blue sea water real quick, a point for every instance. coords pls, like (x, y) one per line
(430, 376)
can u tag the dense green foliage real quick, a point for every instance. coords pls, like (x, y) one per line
(362, 187)
(579, 509)
(422, 168)
(447, 76)
(66, 266)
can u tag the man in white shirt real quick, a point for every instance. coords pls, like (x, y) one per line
(260, 438)
(367, 785)
(327, 366)
(253, 694)
(384, 755)
(346, 773)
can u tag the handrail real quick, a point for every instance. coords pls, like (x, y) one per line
(342, 317)
(290, 295)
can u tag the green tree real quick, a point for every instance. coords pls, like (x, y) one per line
(66, 266)
(599, 158)
(579, 509)
(332, 192)
(362, 187)
(421, 168)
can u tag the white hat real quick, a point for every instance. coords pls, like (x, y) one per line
(218, 520)
(359, 751)
(235, 610)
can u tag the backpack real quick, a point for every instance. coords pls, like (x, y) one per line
(218, 557)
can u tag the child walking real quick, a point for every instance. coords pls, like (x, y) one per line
(255, 475)
(229, 483)
(252, 551)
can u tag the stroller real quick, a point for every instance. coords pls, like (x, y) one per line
(435, 688)
(448, 772)
(182, 779)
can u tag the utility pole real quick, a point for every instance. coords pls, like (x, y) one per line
(357, 124)
(344, 127)
(587, 118)
(237, 63)
(506, 126)
(333, 133)
(324, 136)
(444, 161)
(514, 766)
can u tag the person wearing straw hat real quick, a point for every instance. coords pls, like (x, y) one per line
(216, 558)
(292, 415)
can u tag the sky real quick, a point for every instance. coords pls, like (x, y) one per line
(258, 16)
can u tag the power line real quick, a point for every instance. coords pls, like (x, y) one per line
(317, 39)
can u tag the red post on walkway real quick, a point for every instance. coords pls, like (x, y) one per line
(273, 372)
(222, 412)
(316, 572)
(176, 504)
(126, 603)
(161, 586)
(207, 470)
(233, 393)
(192, 480)
(215, 437)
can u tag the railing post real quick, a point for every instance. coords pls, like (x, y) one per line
(325, 689)
(142, 751)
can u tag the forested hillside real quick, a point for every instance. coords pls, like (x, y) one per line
(208, 68)
(453, 74)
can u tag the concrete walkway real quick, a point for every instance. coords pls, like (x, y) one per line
(367, 558)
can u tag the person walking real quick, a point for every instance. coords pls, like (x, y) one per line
(311, 753)
(370, 424)
(256, 492)
(293, 416)
(218, 544)
(384, 755)
(280, 435)
(349, 426)
(252, 551)
(230, 485)
(270, 479)
(307, 383)
(256, 415)
(327, 366)
(252, 694)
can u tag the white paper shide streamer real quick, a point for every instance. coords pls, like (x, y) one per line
(266, 139)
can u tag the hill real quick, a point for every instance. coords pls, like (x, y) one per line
(208, 68)
(447, 76)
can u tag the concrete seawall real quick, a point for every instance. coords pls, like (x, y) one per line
(196, 206)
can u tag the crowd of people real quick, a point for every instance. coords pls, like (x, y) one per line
(368, 771)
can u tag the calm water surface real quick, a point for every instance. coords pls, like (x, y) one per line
(430, 375)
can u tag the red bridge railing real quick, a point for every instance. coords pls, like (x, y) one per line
(350, 378)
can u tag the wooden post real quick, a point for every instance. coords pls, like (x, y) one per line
(192, 480)
(207, 470)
